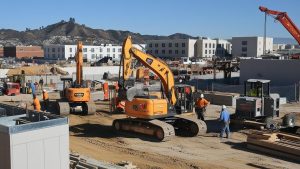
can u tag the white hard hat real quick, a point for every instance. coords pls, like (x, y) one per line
(44, 90)
(223, 107)
(202, 96)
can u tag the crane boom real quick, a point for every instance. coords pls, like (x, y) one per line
(79, 62)
(159, 67)
(285, 20)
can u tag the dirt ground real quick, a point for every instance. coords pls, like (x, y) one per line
(94, 137)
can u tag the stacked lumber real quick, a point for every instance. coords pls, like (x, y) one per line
(82, 162)
(278, 144)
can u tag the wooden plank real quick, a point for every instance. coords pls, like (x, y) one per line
(289, 136)
(274, 146)
(273, 152)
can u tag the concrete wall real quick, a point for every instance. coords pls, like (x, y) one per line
(280, 72)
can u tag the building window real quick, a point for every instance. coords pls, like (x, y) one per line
(58, 49)
(70, 55)
(92, 50)
(70, 50)
(176, 51)
(176, 45)
(48, 55)
(101, 50)
(163, 51)
(170, 51)
(84, 49)
(209, 52)
(114, 50)
(119, 55)
(205, 45)
(93, 56)
(114, 56)
(205, 51)
(48, 49)
(119, 50)
(150, 45)
(63, 49)
(101, 55)
(108, 49)
(163, 45)
(244, 42)
(108, 55)
(156, 45)
(85, 56)
(53, 55)
(213, 45)
(58, 55)
(170, 45)
(213, 51)
(209, 45)
(53, 49)
(183, 52)
(156, 51)
(218, 45)
(244, 49)
(183, 44)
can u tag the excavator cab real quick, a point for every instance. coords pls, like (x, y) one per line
(185, 99)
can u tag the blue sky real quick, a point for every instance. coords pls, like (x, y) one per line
(212, 18)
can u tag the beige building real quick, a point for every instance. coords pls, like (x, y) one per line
(250, 46)
(206, 48)
(171, 48)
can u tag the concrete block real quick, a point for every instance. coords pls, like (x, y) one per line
(219, 98)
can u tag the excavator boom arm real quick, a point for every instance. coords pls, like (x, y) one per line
(285, 20)
(160, 68)
(79, 62)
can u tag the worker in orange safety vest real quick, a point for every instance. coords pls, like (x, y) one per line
(200, 108)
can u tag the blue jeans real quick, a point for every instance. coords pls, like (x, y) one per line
(225, 128)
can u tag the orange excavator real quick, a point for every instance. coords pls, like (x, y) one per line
(148, 114)
(76, 96)
(285, 20)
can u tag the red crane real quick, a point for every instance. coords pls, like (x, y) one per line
(285, 20)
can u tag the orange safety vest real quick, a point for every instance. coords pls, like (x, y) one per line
(36, 104)
(201, 103)
(45, 96)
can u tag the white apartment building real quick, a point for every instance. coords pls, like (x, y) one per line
(277, 47)
(206, 48)
(250, 46)
(224, 48)
(90, 53)
(172, 48)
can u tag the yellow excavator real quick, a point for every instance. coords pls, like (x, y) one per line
(76, 96)
(148, 114)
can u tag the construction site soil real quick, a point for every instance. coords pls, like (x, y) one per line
(94, 137)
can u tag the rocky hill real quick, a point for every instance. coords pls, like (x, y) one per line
(68, 32)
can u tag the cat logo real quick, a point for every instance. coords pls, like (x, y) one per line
(78, 94)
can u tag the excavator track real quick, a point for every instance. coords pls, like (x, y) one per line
(190, 127)
(154, 129)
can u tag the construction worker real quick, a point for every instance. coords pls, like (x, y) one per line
(45, 99)
(200, 108)
(225, 120)
(36, 104)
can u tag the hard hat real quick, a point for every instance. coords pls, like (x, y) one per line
(202, 96)
(223, 107)
(44, 90)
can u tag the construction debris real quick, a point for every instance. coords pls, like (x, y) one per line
(82, 162)
(278, 144)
